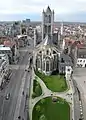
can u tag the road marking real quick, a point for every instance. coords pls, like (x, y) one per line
(16, 67)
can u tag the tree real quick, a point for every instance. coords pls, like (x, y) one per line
(37, 91)
(62, 86)
(38, 108)
(42, 101)
(42, 117)
(33, 95)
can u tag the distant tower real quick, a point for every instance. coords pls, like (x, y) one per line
(47, 22)
(62, 28)
(34, 37)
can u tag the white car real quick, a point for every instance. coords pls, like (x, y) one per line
(7, 96)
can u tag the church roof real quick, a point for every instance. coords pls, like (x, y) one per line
(48, 9)
(47, 40)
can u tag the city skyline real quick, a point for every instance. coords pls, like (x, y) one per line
(65, 10)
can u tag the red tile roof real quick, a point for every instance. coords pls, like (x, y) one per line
(74, 43)
(9, 43)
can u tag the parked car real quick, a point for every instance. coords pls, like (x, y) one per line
(25, 69)
(7, 96)
(19, 117)
(23, 93)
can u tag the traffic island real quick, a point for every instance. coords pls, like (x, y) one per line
(37, 91)
(56, 83)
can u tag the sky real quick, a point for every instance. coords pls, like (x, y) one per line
(65, 10)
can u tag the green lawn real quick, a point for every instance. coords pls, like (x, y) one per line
(56, 83)
(59, 110)
(37, 91)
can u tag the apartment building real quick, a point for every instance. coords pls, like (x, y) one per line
(7, 51)
(4, 67)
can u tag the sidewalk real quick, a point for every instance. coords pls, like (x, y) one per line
(30, 96)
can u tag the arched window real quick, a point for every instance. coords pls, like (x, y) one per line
(40, 51)
(44, 66)
(23, 30)
(47, 66)
(38, 63)
(47, 52)
(49, 18)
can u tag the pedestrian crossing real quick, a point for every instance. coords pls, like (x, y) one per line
(23, 50)
(16, 67)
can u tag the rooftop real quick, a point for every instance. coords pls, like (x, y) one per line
(47, 40)
(19, 36)
(9, 43)
(5, 48)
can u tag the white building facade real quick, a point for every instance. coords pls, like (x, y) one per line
(81, 62)
(81, 57)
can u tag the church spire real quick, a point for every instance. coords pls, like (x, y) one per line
(48, 9)
(62, 28)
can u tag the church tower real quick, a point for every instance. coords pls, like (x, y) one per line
(34, 37)
(47, 22)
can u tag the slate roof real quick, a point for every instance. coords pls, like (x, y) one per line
(47, 40)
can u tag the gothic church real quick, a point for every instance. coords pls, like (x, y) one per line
(46, 54)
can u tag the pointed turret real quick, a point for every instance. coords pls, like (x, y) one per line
(48, 10)
(43, 11)
(62, 28)
(53, 11)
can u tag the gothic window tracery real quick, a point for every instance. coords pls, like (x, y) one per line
(47, 66)
(47, 52)
(49, 18)
(44, 66)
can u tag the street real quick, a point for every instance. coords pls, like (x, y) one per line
(8, 107)
(76, 102)
(79, 75)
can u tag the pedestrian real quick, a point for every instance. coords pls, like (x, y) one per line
(19, 117)
(84, 81)
(23, 92)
